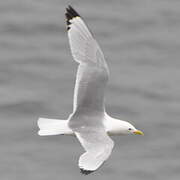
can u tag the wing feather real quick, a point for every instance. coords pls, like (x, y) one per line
(86, 121)
(98, 146)
(93, 72)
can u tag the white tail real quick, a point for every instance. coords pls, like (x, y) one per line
(53, 127)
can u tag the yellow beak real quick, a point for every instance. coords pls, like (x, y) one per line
(138, 132)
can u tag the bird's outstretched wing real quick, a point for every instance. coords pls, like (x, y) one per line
(88, 111)
(98, 146)
(93, 71)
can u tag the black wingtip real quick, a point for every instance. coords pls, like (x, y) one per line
(71, 10)
(70, 14)
(85, 172)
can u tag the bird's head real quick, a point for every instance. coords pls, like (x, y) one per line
(115, 127)
(130, 129)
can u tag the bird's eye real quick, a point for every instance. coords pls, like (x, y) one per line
(129, 129)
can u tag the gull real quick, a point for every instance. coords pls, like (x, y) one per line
(89, 121)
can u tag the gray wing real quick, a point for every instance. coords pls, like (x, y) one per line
(91, 79)
(98, 146)
(92, 74)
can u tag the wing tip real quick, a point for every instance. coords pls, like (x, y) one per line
(85, 172)
(70, 14)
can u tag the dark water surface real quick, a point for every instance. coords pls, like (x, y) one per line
(141, 42)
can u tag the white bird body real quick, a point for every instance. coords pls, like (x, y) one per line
(60, 127)
(89, 122)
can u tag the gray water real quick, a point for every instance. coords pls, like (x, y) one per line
(141, 42)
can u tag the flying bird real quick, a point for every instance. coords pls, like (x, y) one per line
(89, 121)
